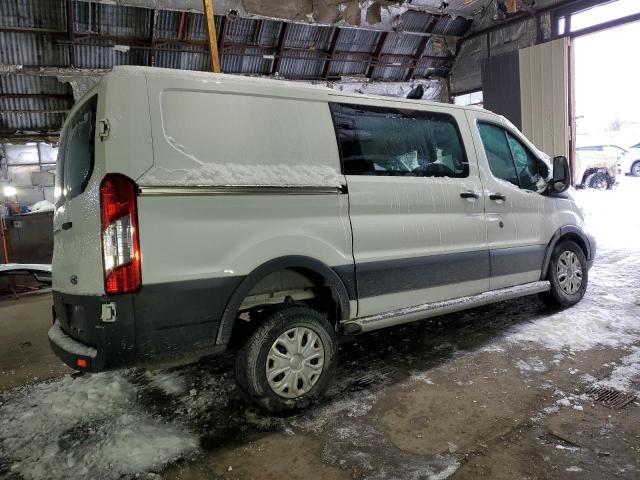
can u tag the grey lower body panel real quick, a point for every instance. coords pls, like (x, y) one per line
(170, 322)
(415, 273)
(428, 310)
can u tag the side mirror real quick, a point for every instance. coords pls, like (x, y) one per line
(561, 175)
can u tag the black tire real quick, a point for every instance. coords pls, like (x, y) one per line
(611, 181)
(635, 169)
(598, 181)
(252, 358)
(558, 296)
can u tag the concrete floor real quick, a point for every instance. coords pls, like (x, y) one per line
(25, 354)
(465, 396)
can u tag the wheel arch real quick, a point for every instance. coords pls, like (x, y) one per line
(568, 232)
(293, 262)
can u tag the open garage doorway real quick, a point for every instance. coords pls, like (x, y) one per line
(606, 110)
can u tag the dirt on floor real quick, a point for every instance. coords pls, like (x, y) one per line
(432, 400)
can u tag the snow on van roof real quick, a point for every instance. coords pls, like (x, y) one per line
(299, 87)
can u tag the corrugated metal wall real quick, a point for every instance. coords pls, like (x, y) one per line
(544, 84)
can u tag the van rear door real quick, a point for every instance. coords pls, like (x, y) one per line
(77, 257)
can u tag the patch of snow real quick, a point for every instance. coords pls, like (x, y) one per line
(573, 469)
(227, 174)
(42, 206)
(420, 377)
(465, 383)
(171, 383)
(363, 448)
(35, 267)
(571, 449)
(493, 348)
(319, 418)
(583, 327)
(531, 364)
(607, 316)
(64, 341)
(85, 428)
(626, 375)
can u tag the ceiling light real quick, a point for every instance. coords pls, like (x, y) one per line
(9, 191)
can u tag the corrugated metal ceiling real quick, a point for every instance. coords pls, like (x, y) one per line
(34, 33)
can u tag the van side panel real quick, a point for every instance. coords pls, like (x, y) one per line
(210, 134)
(198, 244)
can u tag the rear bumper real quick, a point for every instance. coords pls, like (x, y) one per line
(75, 354)
(150, 327)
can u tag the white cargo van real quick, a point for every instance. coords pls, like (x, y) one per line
(201, 212)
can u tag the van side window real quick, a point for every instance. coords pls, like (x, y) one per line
(527, 165)
(398, 142)
(498, 153)
(78, 149)
(509, 159)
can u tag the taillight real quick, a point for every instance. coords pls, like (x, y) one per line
(120, 245)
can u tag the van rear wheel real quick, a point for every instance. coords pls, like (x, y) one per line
(568, 274)
(289, 360)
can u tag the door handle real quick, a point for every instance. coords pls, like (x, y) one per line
(66, 225)
(470, 194)
(497, 196)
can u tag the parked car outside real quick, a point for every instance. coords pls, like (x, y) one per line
(597, 166)
(630, 161)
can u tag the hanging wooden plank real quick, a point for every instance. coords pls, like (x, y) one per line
(212, 35)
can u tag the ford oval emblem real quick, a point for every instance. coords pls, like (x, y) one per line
(74, 279)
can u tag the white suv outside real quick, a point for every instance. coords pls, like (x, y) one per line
(203, 212)
(630, 161)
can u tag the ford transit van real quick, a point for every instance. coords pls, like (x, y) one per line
(200, 213)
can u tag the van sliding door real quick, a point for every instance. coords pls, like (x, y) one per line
(416, 205)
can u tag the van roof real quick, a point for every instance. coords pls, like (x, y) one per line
(298, 88)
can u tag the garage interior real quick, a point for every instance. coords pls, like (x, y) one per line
(511, 390)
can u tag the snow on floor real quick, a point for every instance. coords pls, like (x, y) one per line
(360, 446)
(86, 427)
(609, 315)
(626, 375)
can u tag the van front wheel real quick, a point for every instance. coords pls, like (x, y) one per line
(568, 274)
(289, 361)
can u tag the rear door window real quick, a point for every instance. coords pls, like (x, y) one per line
(77, 152)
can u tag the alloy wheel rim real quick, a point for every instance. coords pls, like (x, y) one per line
(295, 362)
(569, 272)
